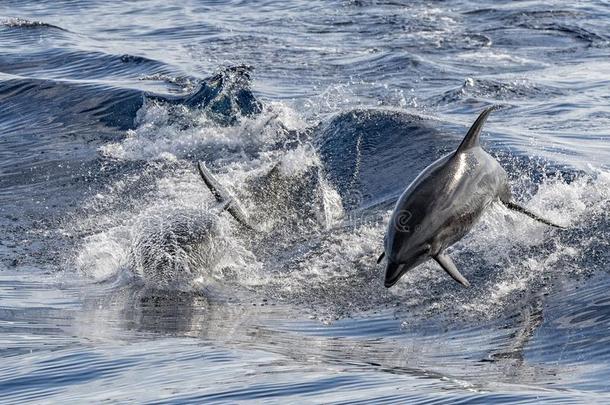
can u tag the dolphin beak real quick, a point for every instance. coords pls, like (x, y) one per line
(393, 272)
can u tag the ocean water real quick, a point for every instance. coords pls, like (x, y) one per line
(121, 281)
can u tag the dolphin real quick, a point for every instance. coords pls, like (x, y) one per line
(443, 204)
(170, 253)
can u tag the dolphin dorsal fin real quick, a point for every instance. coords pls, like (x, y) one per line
(471, 140)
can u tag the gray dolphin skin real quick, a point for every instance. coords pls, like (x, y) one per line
(441, 206)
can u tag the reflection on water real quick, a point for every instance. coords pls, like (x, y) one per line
(479, 358)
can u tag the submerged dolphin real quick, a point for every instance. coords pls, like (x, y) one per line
(172, 254)
(442, 204)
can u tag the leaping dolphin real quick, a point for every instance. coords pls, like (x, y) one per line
(442, 204)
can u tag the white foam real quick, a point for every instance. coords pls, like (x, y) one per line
(122, 218)
(508, 239)
(158, 135)
(296, 161)
(102, 255)
(502, 241)
(499, 57)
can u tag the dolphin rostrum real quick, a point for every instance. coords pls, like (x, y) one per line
(442, 204)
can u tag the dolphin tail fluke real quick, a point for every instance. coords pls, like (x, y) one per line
(393, 272)
(518, 208)
(222, 195)
(472, 137)
(380, 258)
(448, 265)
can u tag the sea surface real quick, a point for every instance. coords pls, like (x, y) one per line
(122, 280)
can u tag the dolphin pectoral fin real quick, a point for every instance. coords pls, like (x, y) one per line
(222, 195)
(380, 258)
(518, 208)
(448, 265)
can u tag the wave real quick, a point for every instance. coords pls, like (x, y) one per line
(16, 22)
(511, 91)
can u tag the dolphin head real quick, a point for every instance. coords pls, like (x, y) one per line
(409, 259)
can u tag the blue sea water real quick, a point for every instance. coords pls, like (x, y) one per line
(120, 281)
